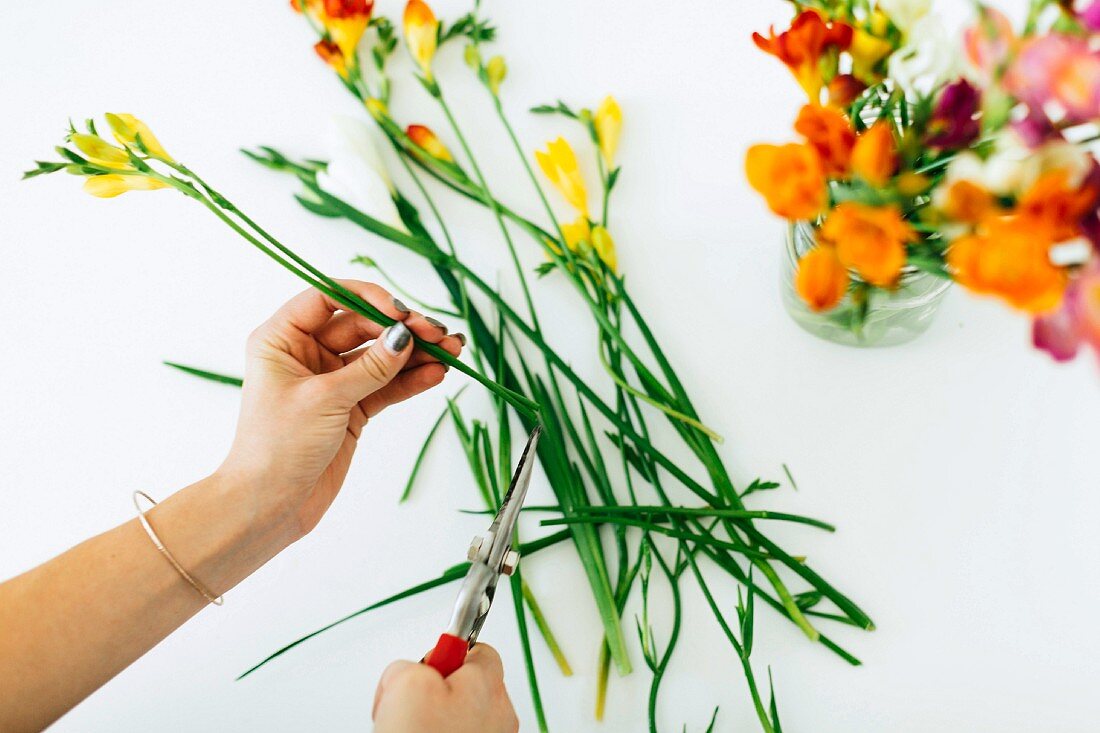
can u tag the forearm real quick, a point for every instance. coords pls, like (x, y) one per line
(71, 624)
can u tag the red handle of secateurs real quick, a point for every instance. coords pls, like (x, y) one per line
(448, 655)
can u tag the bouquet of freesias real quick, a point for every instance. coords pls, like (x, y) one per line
(630, 504)
(967, 158)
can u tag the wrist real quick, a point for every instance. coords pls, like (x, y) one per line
(221, 529)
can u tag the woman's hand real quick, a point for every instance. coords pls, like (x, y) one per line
(414, 697)
(309, 389)
(68, 626)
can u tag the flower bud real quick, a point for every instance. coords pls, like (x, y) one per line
(496, 70)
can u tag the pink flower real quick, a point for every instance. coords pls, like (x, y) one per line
(1059, 75)
(1077, 322)
(954, 123)
(989, 41)
(1035, 128)
(1090, 16)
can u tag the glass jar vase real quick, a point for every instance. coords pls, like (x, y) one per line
(867, 316)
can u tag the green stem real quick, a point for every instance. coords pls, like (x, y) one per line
(544, 628)
(611, 512)
(327, 285)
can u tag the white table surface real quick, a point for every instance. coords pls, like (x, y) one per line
(961, 469)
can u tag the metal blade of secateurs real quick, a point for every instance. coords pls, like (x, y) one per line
(517, 490)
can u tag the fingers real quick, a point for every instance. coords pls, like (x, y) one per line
(400, 673)
(348, 330)
(311, 309)
(415, 697)
(485, 661)
(409, 383)
(379, 364)
(482, 678)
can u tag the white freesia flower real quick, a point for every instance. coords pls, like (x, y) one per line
(1074, 252)
(905, 13)
(1013, 168)
(356, 172)
(1057, 155)
(927, 59)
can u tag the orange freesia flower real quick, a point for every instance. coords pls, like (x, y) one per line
(821, 280)
(1052, 203)
(421, 34)
(874, 157)
(1009, 258)
(344, 20)
(912, 183)
(830, 134)
(427, 140)
(330, 53)
(967, 202)
(802, 47)
(869, 239)
(790, 177)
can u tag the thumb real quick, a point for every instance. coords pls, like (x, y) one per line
(374, 368)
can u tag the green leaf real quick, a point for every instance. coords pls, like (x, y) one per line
(423, 452)
(747, 619)
(772, 705)
(203, 374)
(43, 168)
(612, 177)
(561, 108)
(317, 207)
(758, 485)
(545, 268)
(790, 477)
(808, 599)
(61, 150)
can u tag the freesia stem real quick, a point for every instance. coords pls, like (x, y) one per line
(218, 205)
(582, 387)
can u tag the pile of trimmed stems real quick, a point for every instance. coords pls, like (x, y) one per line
(584, 423)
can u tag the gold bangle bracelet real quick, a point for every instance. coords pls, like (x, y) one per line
(202, 589)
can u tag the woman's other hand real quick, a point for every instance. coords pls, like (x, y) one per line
(311, 386)
(414, 697)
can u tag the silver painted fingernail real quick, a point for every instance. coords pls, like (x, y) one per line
(461, 338)
(400, 306)
(437, 324)
(396, 338)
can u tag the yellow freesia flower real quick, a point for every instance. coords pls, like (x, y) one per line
(421, 34)
(127, 128)
(377, 108)
(605, 247)
(867, 50)
(345, 21)
(609, 123)
(110, 185)
(426, 139)
(99, 151)
(347, 31)
(559, 164)
(577, 232)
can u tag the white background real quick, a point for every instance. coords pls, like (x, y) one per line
(960, 469)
